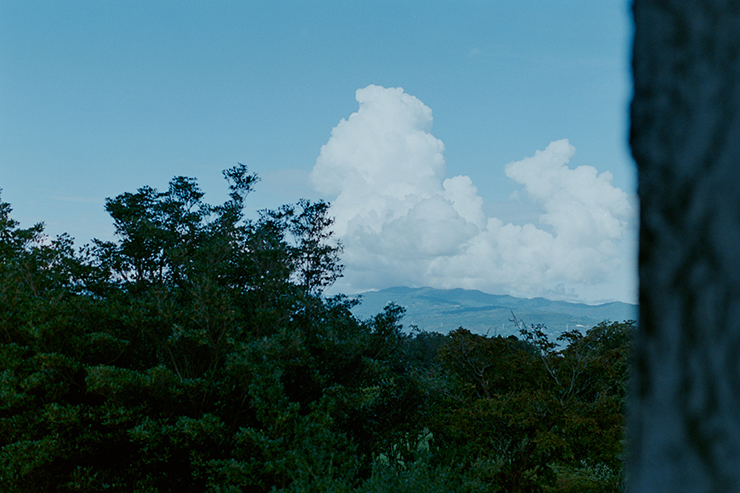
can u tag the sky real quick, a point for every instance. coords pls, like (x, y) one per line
(467, 144)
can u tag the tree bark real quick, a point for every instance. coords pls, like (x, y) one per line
(684, 416)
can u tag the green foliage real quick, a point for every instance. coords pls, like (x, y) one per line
(197, 353)
(533, 413)
(421, 477)
(194, 353)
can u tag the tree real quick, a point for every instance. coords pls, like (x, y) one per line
(196, 352)
(193, 353)
(684, 429)
(527, 415)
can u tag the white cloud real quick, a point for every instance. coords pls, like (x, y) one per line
(403, 223)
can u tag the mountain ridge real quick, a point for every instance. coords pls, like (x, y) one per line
(443, 310)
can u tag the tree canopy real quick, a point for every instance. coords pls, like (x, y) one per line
(197, 352)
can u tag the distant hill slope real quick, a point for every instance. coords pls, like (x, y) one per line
(443, 310)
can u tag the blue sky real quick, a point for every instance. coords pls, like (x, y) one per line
(102, 97)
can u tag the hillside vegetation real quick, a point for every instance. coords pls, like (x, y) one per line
(196, 353)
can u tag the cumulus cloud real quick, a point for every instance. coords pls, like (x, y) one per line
(402, 222)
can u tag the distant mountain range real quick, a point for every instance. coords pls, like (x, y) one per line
(443, 310)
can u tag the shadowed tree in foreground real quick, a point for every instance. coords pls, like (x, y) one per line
(685, 420)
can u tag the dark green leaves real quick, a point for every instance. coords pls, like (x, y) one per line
(197, 353)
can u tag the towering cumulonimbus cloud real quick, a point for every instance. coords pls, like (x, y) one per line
(402, 222)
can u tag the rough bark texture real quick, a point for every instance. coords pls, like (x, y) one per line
(684, 427)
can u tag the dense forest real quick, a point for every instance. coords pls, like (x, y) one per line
(197, 352)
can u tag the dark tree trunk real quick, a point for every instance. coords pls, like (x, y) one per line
(684, 425)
